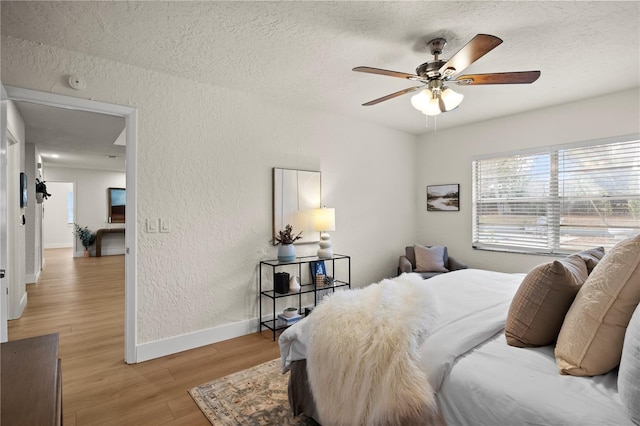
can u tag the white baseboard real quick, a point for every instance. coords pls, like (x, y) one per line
(107, 252)
(112, 251)
(172, 345)
(58, 245)
(32, 278)
(21, 306)
(23, 303)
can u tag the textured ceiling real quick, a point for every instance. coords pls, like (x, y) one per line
(80, 139)
(302, 53)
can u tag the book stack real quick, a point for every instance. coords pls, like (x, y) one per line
(289, 320)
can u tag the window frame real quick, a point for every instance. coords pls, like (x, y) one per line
(554, 199)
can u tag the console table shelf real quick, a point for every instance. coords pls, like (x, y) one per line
(267, 289)
(99, 235)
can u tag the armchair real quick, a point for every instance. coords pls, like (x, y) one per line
(407, 263)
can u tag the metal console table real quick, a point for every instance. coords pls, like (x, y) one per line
(307, 286)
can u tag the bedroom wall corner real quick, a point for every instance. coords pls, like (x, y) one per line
(605, 116)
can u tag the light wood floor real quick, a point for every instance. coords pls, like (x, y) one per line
(83, 300)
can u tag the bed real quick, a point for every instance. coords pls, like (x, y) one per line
(475, 377)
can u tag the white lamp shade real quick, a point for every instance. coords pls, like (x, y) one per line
(451, 99)
(324, 219)
(432, 108)
(421, 100)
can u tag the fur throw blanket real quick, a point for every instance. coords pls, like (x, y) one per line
(363, 355)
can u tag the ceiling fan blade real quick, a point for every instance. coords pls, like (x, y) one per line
(393, 95)
(519, 77)
(379, 71)
(479, 46)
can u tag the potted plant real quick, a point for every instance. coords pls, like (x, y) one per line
(285, 240)
(41, 191)
(86, 236)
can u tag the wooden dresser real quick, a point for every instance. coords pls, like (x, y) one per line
(31, 389)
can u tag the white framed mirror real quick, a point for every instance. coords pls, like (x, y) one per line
(295, 194)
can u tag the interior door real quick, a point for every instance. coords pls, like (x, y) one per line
(4, 335)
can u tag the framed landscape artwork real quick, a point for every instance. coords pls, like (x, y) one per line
(443, 197)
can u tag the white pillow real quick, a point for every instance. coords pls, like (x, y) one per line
(429, 259)
(629, 373)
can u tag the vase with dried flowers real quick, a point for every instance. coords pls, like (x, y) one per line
(284, 240)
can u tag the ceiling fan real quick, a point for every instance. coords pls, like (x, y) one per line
(435, 97)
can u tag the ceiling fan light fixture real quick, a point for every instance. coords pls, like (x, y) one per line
(451, 99)
(432, 108)
(421, 100)
(426, 102)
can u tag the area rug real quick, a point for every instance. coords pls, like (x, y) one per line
(256, 396)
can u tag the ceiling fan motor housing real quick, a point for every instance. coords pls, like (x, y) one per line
(430, 70)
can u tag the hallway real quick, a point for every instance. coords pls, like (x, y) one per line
(82, 299)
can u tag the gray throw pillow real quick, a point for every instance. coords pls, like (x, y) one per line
(591, 257)
(430, 259)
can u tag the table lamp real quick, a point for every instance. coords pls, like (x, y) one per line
(324, 221)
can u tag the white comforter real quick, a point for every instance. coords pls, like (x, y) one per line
(497, 384)
(492, 383)
(477, 303)
(474, 305)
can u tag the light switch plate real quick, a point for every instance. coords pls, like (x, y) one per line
(152, 226)
(165, 225)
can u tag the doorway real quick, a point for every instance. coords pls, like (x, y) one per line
(130, 116)
(57, 223)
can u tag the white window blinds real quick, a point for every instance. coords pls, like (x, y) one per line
(559, 201)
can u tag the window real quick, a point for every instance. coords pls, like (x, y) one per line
(560, 200)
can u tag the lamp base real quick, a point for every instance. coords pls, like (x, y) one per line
(325, 251)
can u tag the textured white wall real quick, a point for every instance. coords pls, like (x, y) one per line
(16, 230)
(91, 204)
(205, 156)
(446, 157)
(32, 214)
(57, 232)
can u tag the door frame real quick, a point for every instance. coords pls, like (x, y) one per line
(131, 229)
(4, 226)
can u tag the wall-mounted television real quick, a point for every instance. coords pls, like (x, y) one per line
(23, 190)
(117, 201)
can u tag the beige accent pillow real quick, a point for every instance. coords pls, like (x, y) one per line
(429, 259)
(591, 257)
(590, 341)
(542, 300)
